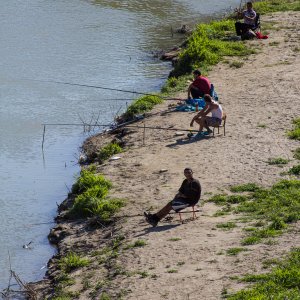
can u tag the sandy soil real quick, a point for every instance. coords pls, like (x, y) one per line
(188, 261)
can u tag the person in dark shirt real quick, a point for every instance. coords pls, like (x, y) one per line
(249, 16)
(199, 87)
(188, 195)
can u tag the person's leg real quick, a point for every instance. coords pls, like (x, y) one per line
(238, 28)
(201, 122)
(164, 211)
(196, 93)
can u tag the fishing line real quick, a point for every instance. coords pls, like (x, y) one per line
(103, 88)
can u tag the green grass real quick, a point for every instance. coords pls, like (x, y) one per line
(207, 46)
(278, 161)
(248, 187)
(92, 197)
(235, 251)
(297, 153)
(172, 271)
(141, 105)
(174, 239)
(282, 282)
(226, 226)
(295, 132)
(108, 150)
(265, 7)
(295, 170)
(136, 244)
(236, 64)
(174, 84)
(71, 262)
(275, 208)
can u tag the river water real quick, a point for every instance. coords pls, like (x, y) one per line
(103, 43)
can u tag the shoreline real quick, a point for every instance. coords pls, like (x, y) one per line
(149, 186)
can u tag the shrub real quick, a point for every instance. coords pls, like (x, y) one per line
(278, 161)
(88, 179)
(108, 151)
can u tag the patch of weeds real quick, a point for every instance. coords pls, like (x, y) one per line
(104, 296)
(108, 151)
(261, 125)
(259, 223)
(274, 43)
(251, 240)
(297, 153)
(172, 271)
(227, 199)
(248, 187)
(295, 170)
(278, 161)
(226, 226)
(296, 49)
(249, 229)
(235, 251)
(154, 276)
(175, 239)
(295, 132)
(282, 282)
(270, 263)
(180, 263)
(71, 262)
(236, 64)
(143, 274)
(136, 244)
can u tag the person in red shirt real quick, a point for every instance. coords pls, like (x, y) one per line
(199, 87)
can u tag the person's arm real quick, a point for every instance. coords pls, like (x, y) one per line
(189, 91)
(203, 112)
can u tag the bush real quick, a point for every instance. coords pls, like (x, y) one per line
(295, 170)
(88, 179)
(108, 151)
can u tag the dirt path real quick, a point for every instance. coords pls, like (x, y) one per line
(188, 261)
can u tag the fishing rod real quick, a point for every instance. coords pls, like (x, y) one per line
(104, 88)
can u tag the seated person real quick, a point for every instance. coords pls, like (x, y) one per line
(249, 16)
(199, 87)
(188, 195)
(205, 121)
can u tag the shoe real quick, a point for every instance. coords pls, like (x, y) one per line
(151, 219)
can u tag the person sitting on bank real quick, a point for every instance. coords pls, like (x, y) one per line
(205, 121)
(249, 16)
(199, 87)
(188, 195)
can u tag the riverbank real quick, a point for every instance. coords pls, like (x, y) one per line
(132, 260)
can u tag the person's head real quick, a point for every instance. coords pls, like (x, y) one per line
(207, 98)
(249, 5)
(188, 173)
(196, 73)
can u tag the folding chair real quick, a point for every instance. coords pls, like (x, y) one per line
(194, 216)
(223, 124)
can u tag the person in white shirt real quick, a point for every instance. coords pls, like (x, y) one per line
(249, 16)
(205, 121)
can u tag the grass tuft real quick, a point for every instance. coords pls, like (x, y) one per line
(109, 150)
(71, 262)
(297, 153)
(248, 187)
(278, 161)
(295, 132)
(235, 251)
